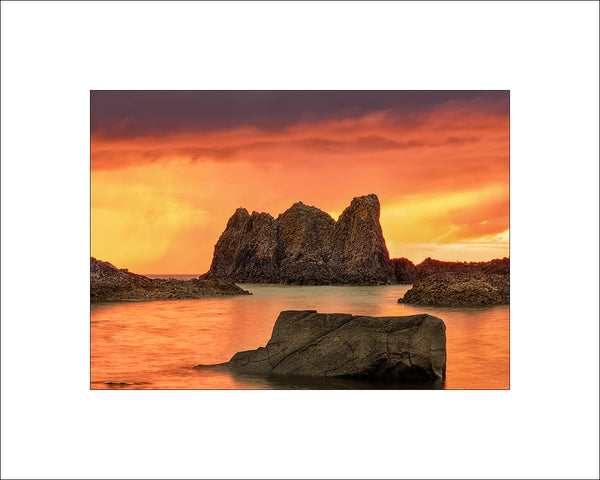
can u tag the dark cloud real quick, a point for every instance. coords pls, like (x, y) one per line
(367, 144)
(130, 113)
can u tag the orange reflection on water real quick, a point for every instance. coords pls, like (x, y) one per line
(154, 345)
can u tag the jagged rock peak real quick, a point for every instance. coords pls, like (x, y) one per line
(357, 245)
(300, 208)
(304, 245)
(365, 208)
(265, 215)
(370, 199)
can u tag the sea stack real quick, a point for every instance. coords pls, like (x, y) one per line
(247, 249)
(305, 246)
(303, 234)
(357, 247)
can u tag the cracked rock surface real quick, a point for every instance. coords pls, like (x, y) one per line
(307, 343)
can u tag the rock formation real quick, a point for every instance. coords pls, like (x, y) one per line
(307, 343)
(474, 289)
(305, 246)
(408, 272)
(247, 249)
(455, 284)
(303, 234)
(404, 270)
(430, 267)
(108, 283)
(357, 248)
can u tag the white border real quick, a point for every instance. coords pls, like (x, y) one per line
(546, 53)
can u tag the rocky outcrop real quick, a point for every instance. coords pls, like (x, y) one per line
(408, 272)
(247, 249)
(305, 246)
(475, 289)
(358, 253)
(307, 343)
(404, 270)
(427, 267)
(455, 284)
(108, 283)
(303, 234)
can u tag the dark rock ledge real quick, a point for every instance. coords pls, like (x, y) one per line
(307, 343)
(475, 289)
(108, 283)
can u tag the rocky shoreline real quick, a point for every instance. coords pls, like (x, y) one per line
(456, 284)
(109, 284)
(306, 246)
(310, 344)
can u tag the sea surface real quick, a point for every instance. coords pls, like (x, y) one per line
(155, 345)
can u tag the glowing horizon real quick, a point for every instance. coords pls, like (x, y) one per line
(166, 175)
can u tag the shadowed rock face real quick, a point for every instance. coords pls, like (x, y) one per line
(302, 236)
(108, 283)
(307, 343)
(358, 250)
(404, 270)
(247, 249)
(305, 246)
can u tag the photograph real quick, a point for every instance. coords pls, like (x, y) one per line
(323, 240)
(299, 239)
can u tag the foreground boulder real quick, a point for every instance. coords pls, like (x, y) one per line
(460, 290)
(305, 246)
(109, 283)
(307, 343)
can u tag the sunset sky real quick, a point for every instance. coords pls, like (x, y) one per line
(168, 168)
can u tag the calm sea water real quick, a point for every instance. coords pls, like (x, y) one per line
(154, 345)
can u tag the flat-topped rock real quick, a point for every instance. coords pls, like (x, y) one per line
(307, 343)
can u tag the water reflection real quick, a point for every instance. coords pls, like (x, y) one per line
(316, 383)
(154, 345)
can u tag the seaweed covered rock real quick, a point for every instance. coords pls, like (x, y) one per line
(307, 343)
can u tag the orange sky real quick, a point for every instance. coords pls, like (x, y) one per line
(160, 200)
